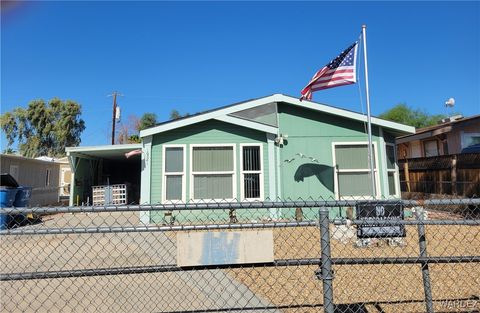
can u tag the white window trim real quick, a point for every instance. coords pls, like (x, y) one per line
(396, 174)
(165, 174)
(336, 171)
(243, 172)
(233, 172)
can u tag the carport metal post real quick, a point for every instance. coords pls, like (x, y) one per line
(326, 261)
(422, 243)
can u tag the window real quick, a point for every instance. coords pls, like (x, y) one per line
(430, 148)
(213, 172)
(47, 177)
(392, 173)
(252, 176)
(352, 170)
(174, 173)
(470, 139)
(15, 171)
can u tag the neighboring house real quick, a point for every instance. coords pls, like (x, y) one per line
(40, 174)
(275, 147)
(449, 137)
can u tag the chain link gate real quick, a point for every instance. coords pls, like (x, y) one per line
(106, 259)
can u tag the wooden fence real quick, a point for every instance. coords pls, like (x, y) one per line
(457, 174)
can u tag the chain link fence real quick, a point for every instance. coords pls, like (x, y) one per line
(271, 256)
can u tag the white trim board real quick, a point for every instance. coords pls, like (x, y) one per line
(222, 114)
(132, 146)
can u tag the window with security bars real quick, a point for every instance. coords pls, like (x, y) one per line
(252, 179)
(352, 170)
(392, 173)
(174, 173)
(213, 170)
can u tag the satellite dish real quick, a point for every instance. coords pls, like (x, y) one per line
(450, 103)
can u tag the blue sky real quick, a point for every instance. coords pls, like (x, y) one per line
(193, 56)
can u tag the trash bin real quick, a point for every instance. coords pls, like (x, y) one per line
(22, 198)
(7, 197)
(7, 180)
(12, 195)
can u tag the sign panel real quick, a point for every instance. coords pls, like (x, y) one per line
(384, 212)
(215, 248)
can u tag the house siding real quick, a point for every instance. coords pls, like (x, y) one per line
(312, 133)
(209, 132)
(32, 173)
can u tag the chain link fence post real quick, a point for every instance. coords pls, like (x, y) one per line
(326, 261)
(422, 243)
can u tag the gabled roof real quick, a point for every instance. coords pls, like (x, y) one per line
(222, 114)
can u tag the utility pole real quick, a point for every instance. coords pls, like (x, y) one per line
(114, 113)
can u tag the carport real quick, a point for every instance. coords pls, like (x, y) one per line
(104, 165)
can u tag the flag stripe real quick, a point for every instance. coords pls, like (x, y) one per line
(326, 86)
(343, 69)
(335, 77)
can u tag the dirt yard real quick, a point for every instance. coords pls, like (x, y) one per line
(357, 288)
(370, 288)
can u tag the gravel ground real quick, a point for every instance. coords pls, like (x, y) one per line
(357, 288)
(374, 288)
(149, 292)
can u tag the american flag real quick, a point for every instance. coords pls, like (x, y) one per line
(340, 71)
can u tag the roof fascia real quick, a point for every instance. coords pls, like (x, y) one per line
(414, 137)
(104, 148)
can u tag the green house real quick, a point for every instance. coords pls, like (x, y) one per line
(271, 148)
(275, 147)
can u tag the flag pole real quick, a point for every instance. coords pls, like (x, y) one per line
(369, 116)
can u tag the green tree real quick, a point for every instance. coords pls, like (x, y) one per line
(134, 139)
(402, 113)
(44, 129)
(9, 151)
(147, 120)
(175, 115)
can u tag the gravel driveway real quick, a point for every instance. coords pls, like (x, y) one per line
(151, 292)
